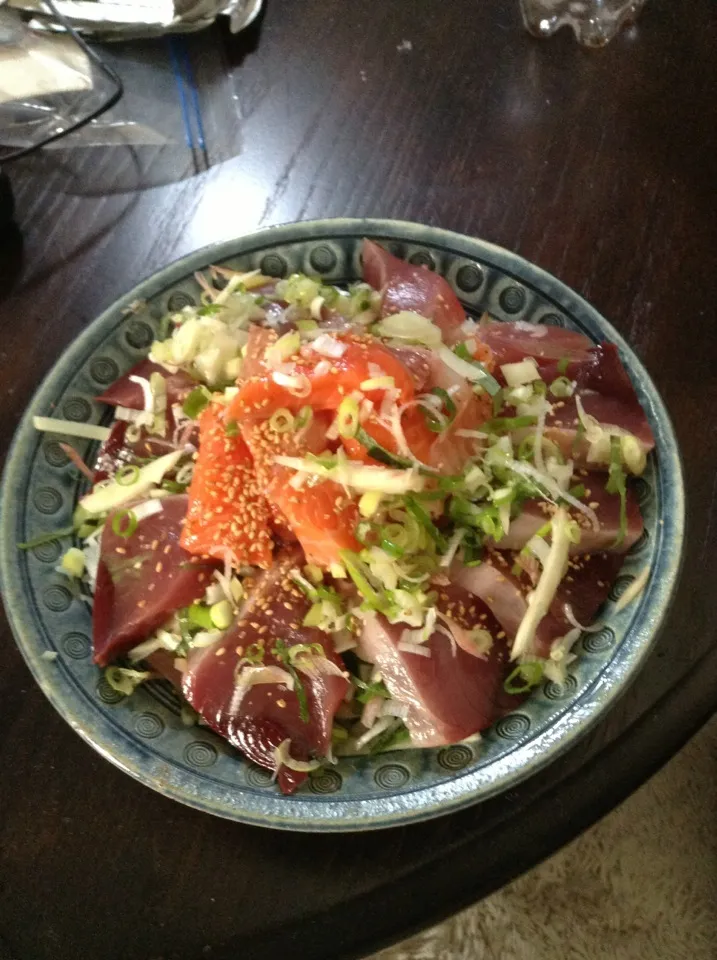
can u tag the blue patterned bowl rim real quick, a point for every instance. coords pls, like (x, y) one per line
(401, 803)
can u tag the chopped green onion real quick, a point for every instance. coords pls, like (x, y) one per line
(47, 538)
(201, 616)
(462, 363)
(348, 417)
(221, 614)
(196, 401)
(391, 548)
(506, 424)
(127, 475)
(563, 364)
(498, 401)
(124, 523)
(73, 562)
(303, 418)
(282, 421)
(158, 388)
(315, 615)
(281, 652)
(447, 400)
(359, 573)
(125, 681)
(433, 422)
(254, 653)
(171, 486)
(562, 387)
(339, 734)
(304, 325)
(579, 434)
(70, 428)
(578, 491)
(231, 428)
(617, 484)
(380, 453)
(369, 503)
(395, 735)
(525, 676)
(209, 309)
(371, 690)
(417, 511)
(633, 453)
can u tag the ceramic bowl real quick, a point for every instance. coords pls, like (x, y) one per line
(144, 735)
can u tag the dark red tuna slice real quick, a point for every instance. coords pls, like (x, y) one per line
(416, 288)
(453, 693)
(535, 513)
(142, 580)
(125, 393)
(268, 713)
(585, 588)
(513, 342)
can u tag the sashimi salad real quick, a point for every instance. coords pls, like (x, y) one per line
(344, 521)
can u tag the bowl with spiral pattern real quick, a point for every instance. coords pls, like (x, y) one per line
(145, 734)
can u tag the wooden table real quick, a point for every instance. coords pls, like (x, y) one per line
(602, 168)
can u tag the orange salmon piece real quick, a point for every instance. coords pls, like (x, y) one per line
(227, 510)
(328, 381)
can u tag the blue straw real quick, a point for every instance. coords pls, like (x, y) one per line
(182, 99)
(194, 94)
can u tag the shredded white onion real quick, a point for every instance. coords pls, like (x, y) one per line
(538, 442)
(315, 308)
(378, 728)
(634, 590)
(312, 665)
(163, 641)
(522, 372)
(462, 367)
(251, 676)
(322, 368)
(416, 648)
(539, 548)
(284, 759)
(371, 711)
(574, 622)
(553, 571)
(395, 708)
(146, 392)
(298, 385)
(343, 641)
(328, 346)
(205, 638)
(141, 417)
(525, 470)
(147, 509)
(453, 545)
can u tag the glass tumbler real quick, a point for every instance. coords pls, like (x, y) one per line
(595, 22)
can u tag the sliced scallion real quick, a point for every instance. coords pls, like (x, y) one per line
(127, 475)
(348, 417)
(201, 616)
(281, 421)
(617, 483)
(124, 523)
(303, 418)
(525, 676)
(47, 538)
(196, 401)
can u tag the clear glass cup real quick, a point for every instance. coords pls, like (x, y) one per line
(595, 22)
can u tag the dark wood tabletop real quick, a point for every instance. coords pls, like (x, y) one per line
(600, 167)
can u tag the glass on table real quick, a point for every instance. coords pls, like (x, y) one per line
(595, 22)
